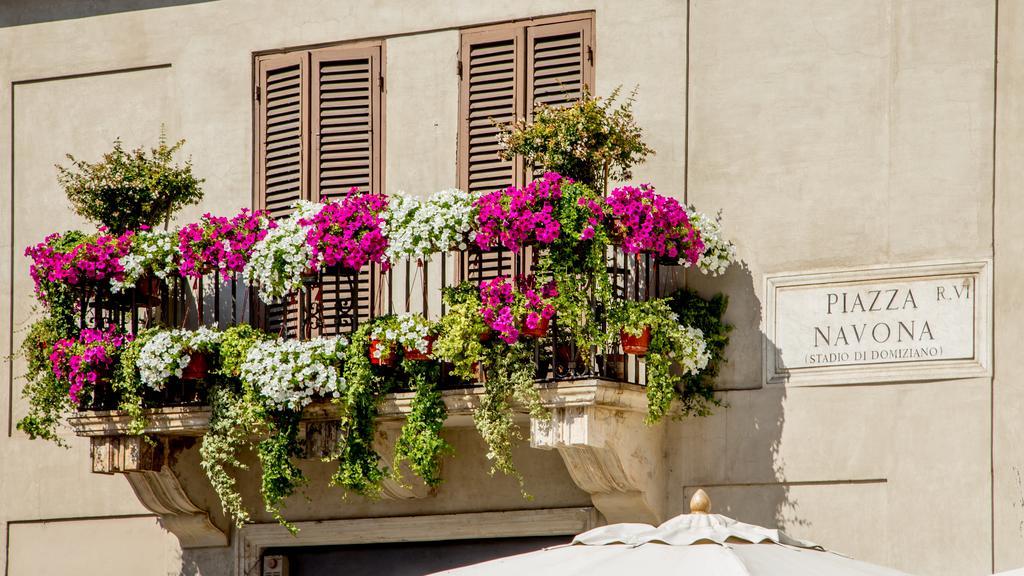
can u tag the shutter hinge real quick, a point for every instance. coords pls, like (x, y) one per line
(256, 93)
(459, 69)
(590, 54)
(380, 82)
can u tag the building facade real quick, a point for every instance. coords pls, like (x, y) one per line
(846, 144)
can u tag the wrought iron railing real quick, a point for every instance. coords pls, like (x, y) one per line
(337, 302)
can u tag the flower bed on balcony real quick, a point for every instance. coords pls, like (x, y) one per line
(582, 300)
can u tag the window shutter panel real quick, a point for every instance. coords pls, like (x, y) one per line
(559, 67)
(347, 139)
(281, 167)
(283, 147)
(491, 92)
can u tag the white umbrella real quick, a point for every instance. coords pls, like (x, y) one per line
(698, 544)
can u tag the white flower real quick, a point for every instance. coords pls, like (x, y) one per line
(153, 251)
(168, 352)
(718, 253)
(409, 330)
(417, 229)
(279, 259)
(290, 372)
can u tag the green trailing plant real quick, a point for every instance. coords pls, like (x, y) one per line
(509, 381)
(420, 442)
(359, 465)
(675, 352)
(460, 331)
(591, 141)
(276, 451)
(578, 263)
(237, 416)
(127, 383)
(705, 315)
(47, 396)
(235, 343)
(129, 189)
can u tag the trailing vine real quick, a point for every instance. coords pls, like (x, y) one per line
(706, 315)
(359, 468)
(128, 384)
(420, 442)
(509, 379)
(281, 477)
(47, 396)
(236, 417)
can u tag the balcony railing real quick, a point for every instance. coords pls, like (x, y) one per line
(337, 302)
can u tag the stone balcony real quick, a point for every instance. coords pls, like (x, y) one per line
(596, 425)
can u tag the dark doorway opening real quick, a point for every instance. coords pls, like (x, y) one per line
(405, 558)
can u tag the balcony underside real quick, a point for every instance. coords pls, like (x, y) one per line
(597, 426)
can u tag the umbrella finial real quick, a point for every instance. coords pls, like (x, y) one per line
(700, 503)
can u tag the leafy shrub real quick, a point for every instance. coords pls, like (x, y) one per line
(129, 189)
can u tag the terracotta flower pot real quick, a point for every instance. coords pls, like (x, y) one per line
(485, 336)
(421, 355)
(636, 344)
(381, 356)
(198, 367)
(538, 331)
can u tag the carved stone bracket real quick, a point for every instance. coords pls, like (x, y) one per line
(144, 464)
(610, 453)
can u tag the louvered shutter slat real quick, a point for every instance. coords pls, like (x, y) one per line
(346, 98)
(281, 110)
(490, 95)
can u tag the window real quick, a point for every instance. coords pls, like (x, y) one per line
(319, 117)
(318, 133)
(507, 69)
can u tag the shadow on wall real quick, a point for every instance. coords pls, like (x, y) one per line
(735, 453)
(22, 12)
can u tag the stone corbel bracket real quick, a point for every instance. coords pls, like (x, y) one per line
(156, 486)
(598, 428)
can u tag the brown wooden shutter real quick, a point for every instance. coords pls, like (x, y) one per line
(347, 136)
(559, 62)
(491, 92)
(347, 126)
(281, 115)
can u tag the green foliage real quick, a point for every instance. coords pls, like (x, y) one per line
(237, 417)
(510, 371)
(129, 189)
(633, 316)
(420, 442)
(281, 477)
(579, 267)
(127, 384)
(47, 396)
(359, 468)
(458, 341)
(590, 141)
(676, 353)
(235, 343)
(60, 298)
(705, 315)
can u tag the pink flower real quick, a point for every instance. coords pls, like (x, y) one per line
(217, 243)
(514, 216)
(645, 221)
(348, 233)
(504, 309)
(88, 359)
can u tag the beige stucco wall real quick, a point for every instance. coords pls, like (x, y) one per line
(832, 134)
